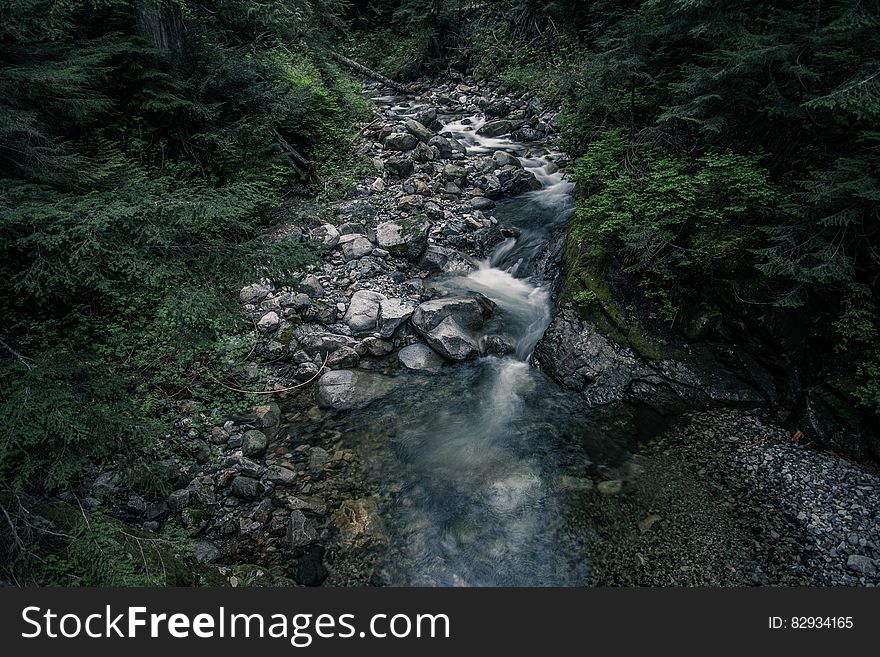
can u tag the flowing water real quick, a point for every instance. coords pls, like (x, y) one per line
(487, 460)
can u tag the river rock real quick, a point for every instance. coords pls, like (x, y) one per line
(300, 531)
(362, 316)
(254, 443)
(246, 488)
(519, 182)
(268, 322)
(323, 343)
(357, 247)
(400, 141)
(442, 144)
(343, 389)
(373, 346)
(343, 358)
(405, 238)
(505, 159)
(482, 203)
(455, 174)
(527, 134)
(419, 131)
(496, 109)
(336, 389)
(280, 476)
(494, 128)
(312, 286)
(399, 166)
(393, 313)
(327, 234)
(419, 357)
(254, 293)
(448, 324)
(446, 260)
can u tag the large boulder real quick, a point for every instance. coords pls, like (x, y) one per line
(449, 325)
(362, 316)
(504, 159)
(419, 131)
(419, 357)
(393, 313)
(494, 128)
(400, 141)
(579, 357)
(399, 166)
(405, 238)
(343, 389)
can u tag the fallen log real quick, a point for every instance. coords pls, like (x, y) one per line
(298, 163)
(370, 73)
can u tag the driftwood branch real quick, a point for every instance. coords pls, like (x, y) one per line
(370, 73)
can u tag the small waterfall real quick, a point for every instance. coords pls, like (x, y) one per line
(478, 447)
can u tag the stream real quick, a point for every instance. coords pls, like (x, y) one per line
(485, 461)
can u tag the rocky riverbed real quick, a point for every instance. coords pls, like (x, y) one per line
(410, 442)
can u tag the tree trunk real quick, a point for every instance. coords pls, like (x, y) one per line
(161, 24)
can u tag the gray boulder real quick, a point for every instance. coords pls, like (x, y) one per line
(419, 357)
(482, 203)
(400, 141)
(455, 174)
(495, 128)
(419, 131)
(504, 159)
(405, 238)
(312, 286)
(399, 166)
(343, 358)
(246, 488)
(344, 389)
(254, 443)
(280, 476)
(449, 325)
(356, 247)
(393, 313)
(362, 316)
(268, 322)
(325, 233)
(322, 343)
(254, 293)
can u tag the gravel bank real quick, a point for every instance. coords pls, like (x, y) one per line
(726, 498)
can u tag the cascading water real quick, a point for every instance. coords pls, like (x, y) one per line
(487, 459)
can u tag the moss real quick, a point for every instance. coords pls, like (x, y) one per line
(593, 298)
(286, 336)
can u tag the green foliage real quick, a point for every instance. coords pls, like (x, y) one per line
(672, 219)
(726, 146)
(139, 172)
(90, 548)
